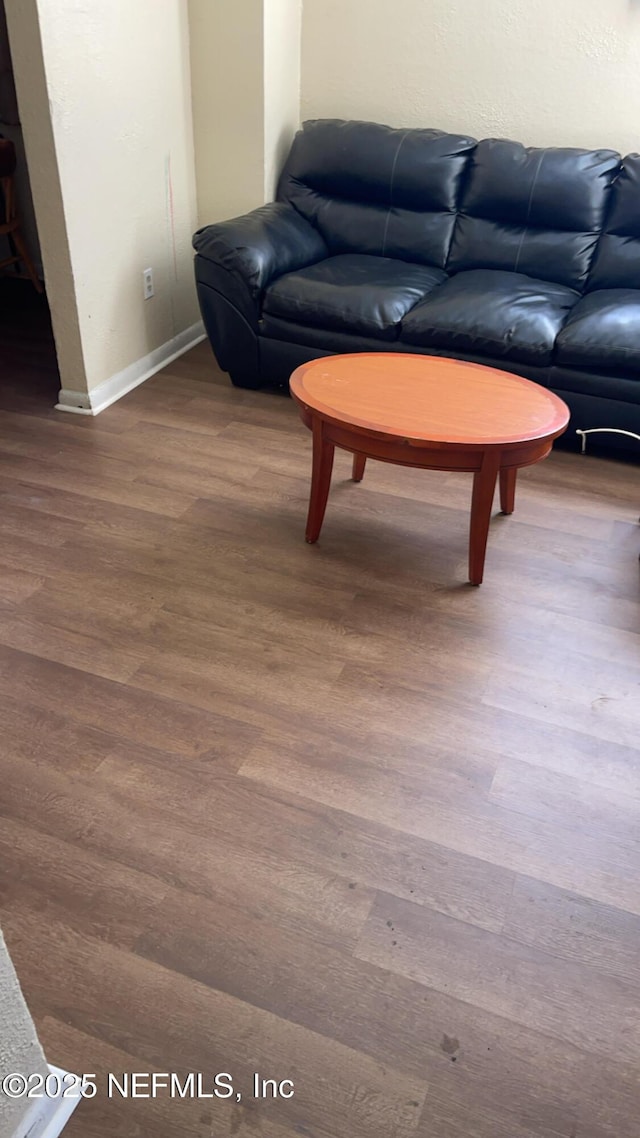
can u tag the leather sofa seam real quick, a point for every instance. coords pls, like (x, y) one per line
(391, 180)
(529, 208)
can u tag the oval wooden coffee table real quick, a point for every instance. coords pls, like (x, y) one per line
(426, 411)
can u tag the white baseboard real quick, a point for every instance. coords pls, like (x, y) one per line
(47, 1117)
(94, 401)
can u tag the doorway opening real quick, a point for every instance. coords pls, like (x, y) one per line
(29, 375)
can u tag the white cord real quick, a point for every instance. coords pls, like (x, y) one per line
(605, 430)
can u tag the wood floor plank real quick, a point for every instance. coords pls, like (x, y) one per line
(272, 598)
(602, 700)
(574, 927)
(100, 605)
(55, 490)
(333, 993)
(159, 834)
(48, 531)
(469, 725)
(509, 1081)
(163, 1117)
(606, 591)
(74, 649)
(339, 1088)
(383, 1011)
(492, 972)
(497, 624)
(248, 667)
(310, 837)
(49, 738)
(360, 856)
(16, 585)
(113, 901)
(527, 788)
(467, 822)
(446, 1120)
(93, 701)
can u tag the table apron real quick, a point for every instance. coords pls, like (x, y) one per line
(402, 452)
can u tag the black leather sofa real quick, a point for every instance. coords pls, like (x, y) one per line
(422, 241)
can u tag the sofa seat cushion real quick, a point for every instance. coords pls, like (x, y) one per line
(352, 292)
(603, 332)
(493, 313)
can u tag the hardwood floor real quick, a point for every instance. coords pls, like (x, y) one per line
(324, 813)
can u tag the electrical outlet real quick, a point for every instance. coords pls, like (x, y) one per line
(147, 278)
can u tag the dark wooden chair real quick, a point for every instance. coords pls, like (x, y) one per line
(9, 219)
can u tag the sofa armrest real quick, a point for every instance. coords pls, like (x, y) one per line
(235, 261)
(261, 245)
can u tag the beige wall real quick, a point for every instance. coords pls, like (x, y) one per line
(245, 68)
(118, 89)
(282, 36)
(227, 86)
(547, 72)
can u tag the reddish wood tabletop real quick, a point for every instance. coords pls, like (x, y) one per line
(431, 412)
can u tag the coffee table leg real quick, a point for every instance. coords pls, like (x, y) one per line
(320, 481)
(359, 461)
(484, 484)
(508, 489)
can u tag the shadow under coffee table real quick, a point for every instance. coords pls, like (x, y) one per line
(431, 412)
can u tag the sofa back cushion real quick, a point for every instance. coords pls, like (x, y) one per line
(533, 211)
(375, 189)
(617, 261)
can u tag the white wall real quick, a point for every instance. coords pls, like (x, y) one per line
(245, 68)
(118, 88)
(546, 72)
